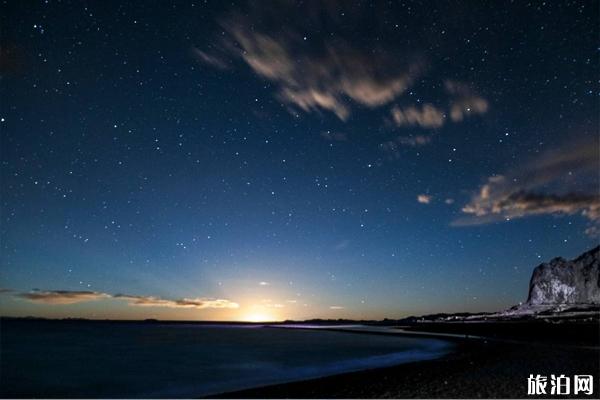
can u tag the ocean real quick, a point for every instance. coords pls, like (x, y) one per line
(112, 359)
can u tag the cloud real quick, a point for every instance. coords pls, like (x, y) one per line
(336, 307)
(559, 182)
(62, 296)
(449, 201)
(269, 304)
(152, 301)
(322, 81)
(428, 116)
(212, 60)
(313, 71)
(463, 102)
(74, 296)
(5, 290)
(467, 106)
(320, 73)
(466, 103)
(424, 198)
(263, 283)
(509, 204)
(413, 141)
(593, 231)
(392, 147)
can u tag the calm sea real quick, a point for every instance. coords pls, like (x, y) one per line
(103, 359)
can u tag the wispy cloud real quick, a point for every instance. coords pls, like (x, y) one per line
(427, 116)
(336, 307)
(392, 147)
(322, 80)
(559, 182)
(466, 101)
(75, 296)
(210, 59)
(62, 296)
(424, 198)
(316, 73)
(467, 106)
(463, 102)
(593, 231)
(152, 301)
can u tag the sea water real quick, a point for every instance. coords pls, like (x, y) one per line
(110, 359)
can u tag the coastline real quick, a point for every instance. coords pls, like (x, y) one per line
(471, 359)
(475, 368)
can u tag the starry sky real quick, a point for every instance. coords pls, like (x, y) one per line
(231, 161)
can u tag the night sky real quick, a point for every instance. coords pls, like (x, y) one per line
(271, 160)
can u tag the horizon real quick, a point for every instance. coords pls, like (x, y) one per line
(253, 319)
(203, 162)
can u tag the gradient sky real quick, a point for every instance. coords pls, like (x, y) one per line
(232, 161)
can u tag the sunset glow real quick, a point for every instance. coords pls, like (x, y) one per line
(259, 316)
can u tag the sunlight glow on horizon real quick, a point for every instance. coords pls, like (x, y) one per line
(260, 313)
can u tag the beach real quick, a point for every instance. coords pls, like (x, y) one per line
(477, 368)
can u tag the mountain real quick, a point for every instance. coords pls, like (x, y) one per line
(563, 282)
(559, 289)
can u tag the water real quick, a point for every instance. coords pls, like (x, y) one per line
(104, 359)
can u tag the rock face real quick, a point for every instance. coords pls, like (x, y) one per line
(564, 282)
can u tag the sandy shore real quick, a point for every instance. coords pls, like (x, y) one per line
(477, 369)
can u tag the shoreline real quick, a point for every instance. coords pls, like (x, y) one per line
(470, 360)
(440, 346)
(475, 367)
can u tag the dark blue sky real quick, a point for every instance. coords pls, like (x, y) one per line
(236, 161)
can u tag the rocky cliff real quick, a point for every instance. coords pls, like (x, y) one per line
(567, 282)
